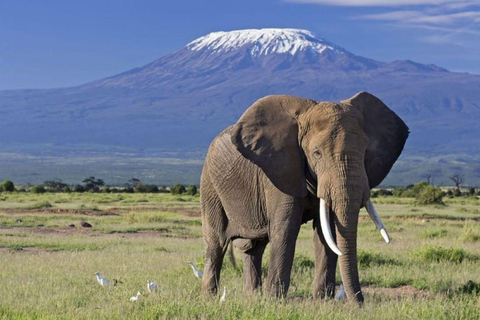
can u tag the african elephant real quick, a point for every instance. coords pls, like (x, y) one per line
(286, 159)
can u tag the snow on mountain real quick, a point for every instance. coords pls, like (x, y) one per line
(263, 42)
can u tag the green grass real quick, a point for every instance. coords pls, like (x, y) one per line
(434, 253)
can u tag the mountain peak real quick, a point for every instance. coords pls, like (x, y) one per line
(263, 42)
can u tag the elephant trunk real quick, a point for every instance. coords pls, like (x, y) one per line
(345, 199)
(347, 243)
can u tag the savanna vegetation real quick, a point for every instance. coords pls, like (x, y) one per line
(49, 257)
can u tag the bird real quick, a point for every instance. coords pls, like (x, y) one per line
(102, 281)
(151, 286)
(196, 272)
(117, 281)
(224, 295)
(341, 294)
(135, 298)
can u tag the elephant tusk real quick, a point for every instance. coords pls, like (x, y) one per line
(376, 219)
(325, 225)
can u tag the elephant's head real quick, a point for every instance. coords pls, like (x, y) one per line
(348, 148)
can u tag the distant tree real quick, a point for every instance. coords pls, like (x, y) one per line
(7, 186)
(79, 188)
(133, 182)
(178, 189)
(38, 189)
(384, 192)
(471, 191)
(192, 190)
(55, 185)
(430, 195)
(429, 176)
(457, 180)
(146, 188)
(92, 184)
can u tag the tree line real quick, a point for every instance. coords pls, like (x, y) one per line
(94, 185)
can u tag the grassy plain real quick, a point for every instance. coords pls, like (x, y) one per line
(431, 270)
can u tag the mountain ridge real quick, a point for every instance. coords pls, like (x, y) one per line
(183, 99)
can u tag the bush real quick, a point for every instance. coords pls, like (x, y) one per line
(79, 188)
(366, 259)
(384, 192)
(7, 186)
(192, 190)
(38, 189)
(437, 254)
(430, 195)
(146, 188)
(470, 287)
(404, 193)
(178, 189)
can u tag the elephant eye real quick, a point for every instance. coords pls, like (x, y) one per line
(317, 153)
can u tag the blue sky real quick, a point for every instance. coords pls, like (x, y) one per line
(58, 43)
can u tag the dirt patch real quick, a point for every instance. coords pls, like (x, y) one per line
(52, 230)
(62, 211)
(181, 210)
(65, 231)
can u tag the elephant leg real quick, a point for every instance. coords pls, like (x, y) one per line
(214, 225)
(325, 263)
(252, 267)
(283, 234)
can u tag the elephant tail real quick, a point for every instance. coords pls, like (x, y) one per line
(231, 256)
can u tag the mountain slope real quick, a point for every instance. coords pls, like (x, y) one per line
(181, 100)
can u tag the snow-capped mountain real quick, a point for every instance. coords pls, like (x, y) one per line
(263, 42)
(184, 98)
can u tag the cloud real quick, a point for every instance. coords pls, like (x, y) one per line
(437, 21)
(418, 17)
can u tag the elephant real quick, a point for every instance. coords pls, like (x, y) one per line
(289, 160)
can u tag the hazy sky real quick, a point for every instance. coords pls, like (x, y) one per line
(57, 43)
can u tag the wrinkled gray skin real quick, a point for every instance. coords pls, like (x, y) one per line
(263, 178)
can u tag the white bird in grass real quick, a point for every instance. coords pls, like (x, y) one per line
(196, 272)
(135, 298)
(151, 286)
(102, 281)
(224, 295)
(341, 294)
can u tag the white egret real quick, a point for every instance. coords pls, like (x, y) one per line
(341, 294)
(151, 286)
(135, 298)
(224, 295)
(102, 281)
(196, 272)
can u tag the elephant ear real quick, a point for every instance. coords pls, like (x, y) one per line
(387, 134)
(267, 135)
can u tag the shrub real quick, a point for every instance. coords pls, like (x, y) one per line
(37, 189)
(366, 259)
(404, 193)
(430, 195)
(79, 188)
(470, 287)
(437, 254)
(7, 186)
(192, 190)
(384, 192)
(146, 188)
(178, 189)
